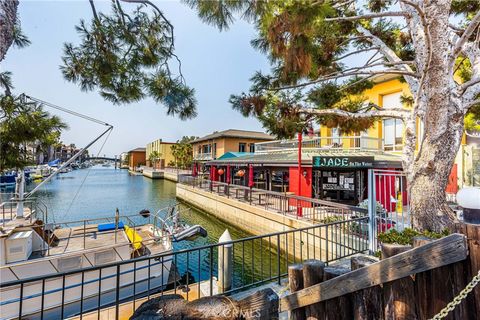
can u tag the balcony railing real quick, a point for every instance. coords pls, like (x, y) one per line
(334, 144)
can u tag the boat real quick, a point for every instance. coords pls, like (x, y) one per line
(8, 180)
(33, 246)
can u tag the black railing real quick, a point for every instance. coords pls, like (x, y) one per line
(256, 260)
(308, 209)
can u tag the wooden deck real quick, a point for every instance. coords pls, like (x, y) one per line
(77, 239)
(126, 309)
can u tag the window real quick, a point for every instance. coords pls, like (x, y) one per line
(392, 134)
(242, 147)
(103, 257)
(392, 128)
(214, 150)
(70, 263)
(206, 148)
(252, 147)
(336, 135)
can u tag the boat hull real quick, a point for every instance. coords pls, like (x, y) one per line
(97, 290)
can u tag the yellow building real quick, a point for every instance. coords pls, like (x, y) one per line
(164, 150)
(388, 134)
(213, 146)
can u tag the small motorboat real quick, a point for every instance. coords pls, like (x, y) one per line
(189, 233)
(178, 231)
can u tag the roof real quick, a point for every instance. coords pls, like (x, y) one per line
(234, 133)
(138, 150)
(230, 155)
(385, 160)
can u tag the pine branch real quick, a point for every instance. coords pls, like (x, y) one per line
(370, 16)
(466, 35)
(391, 56)
(397, 113)
(348, 74)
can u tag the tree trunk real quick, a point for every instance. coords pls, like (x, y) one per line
(8, 20)
(430, 171)
(442, 112)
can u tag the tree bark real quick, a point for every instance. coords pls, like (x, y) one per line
(443, 115)
(8, 20)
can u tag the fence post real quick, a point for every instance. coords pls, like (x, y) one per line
(372, 220)
(225, 263)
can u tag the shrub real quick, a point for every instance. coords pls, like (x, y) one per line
(406, 236)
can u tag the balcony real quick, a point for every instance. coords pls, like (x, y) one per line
(202, 156)
(333, 144)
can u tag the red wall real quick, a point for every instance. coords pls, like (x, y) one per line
(306, 190)
(452, 186)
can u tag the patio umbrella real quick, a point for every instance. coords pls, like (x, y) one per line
(250, 176)
(228, 174)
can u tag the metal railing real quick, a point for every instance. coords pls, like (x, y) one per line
(388, 202)
(34, 207)
(308, 209)
(256, 260)
(342, 143)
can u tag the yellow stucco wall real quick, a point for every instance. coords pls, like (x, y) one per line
(226, 144)
(163, 148)
(375, 95)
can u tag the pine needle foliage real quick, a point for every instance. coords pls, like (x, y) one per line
(127, 56)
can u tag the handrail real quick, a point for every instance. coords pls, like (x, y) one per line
(182, 251)
(292, 196)
(82, 252)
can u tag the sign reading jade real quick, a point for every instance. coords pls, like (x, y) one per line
(343, 162)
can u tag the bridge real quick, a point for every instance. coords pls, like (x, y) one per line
(100, 158)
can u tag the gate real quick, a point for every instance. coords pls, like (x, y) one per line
(388, 203)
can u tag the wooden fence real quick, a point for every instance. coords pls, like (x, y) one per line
(408, 283)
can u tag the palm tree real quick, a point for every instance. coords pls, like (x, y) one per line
(154, 157)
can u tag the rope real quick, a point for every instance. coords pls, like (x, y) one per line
(51, 105)
(458, 299)
(85, 178)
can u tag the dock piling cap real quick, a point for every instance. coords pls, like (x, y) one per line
(225, 237)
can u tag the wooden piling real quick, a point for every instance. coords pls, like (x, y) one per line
(312, 274)
(295, 283)
(367, 303)
(340, 308)
(470, 267)
(398, 295)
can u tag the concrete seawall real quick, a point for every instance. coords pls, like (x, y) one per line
(313, 243)
(160, 174)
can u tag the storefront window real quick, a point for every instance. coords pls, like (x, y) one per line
(338, 186)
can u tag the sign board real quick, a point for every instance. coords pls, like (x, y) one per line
(342, 162)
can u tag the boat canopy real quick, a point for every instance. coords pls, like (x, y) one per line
(54, 163)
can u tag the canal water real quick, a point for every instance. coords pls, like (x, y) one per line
(98, 191)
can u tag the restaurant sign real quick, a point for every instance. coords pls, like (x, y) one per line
(342, 162)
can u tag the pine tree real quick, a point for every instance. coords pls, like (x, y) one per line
(424, 42)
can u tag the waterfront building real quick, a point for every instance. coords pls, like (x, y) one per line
(215, 145)
(334, 164)
(136, 158)
(65, 152)
(164, 151)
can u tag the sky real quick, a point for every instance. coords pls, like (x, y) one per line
(217, 64)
